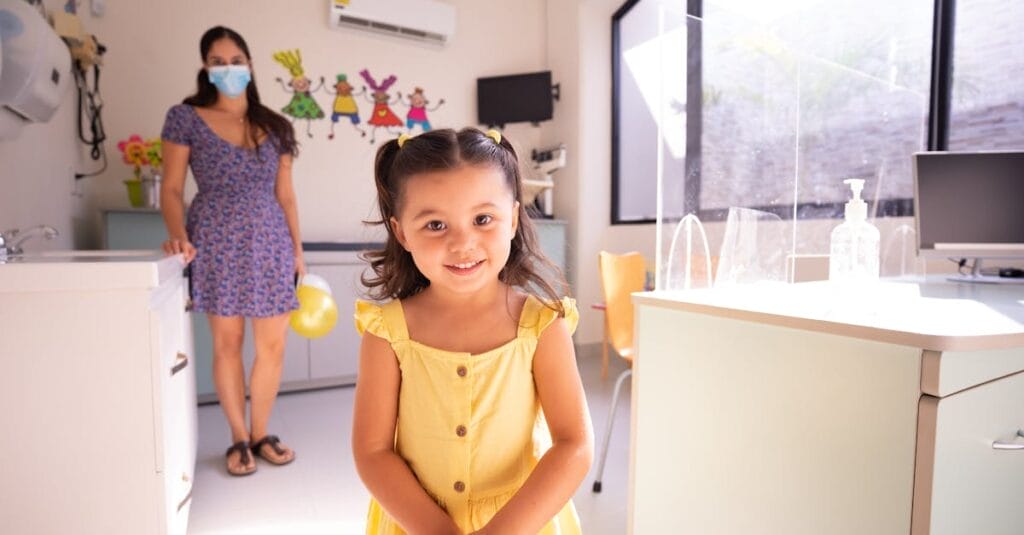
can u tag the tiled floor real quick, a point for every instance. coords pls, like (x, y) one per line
(321, 493)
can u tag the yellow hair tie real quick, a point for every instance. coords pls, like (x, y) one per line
(402, 139)
(495, 135)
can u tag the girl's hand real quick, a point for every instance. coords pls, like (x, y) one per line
(180, 246)
(300, 266)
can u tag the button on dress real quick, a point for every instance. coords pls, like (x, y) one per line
(469, 426)
(245, 263)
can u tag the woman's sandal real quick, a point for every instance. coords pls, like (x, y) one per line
(273, 441)
(242, 447)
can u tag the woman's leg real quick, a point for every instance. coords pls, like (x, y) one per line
(229, 379)
(269, 334)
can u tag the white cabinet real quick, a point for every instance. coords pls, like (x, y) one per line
(328, 361)
(970, 461)
(98, 396)
(331, 360)
(778, 409)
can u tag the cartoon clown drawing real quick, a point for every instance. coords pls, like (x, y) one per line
(418, 110)
(382, 116)
(302, 105)
(345, 105)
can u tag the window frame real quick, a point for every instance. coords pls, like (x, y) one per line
(939, 109)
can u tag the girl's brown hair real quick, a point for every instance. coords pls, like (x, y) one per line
(395, 275)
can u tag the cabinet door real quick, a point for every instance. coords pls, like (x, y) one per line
(969, 476)
(138, 229)
(175, 401)
(336, 354)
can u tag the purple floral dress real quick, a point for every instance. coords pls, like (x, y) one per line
(244, 264)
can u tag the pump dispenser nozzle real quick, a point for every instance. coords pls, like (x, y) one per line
(856, 208)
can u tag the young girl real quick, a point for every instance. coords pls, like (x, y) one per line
(469, 412)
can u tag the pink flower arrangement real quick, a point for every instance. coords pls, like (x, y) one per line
(137, 152)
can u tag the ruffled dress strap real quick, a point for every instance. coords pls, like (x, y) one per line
(384, 321)
(537, 316)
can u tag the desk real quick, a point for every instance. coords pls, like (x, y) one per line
(769, 409)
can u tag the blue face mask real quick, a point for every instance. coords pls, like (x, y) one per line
(230, 80)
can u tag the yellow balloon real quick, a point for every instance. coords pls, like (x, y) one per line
(317, 312)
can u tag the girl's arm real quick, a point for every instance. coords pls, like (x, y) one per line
(385, 474)
(285, 194)
(172, 203)
(318, 87)
(558, 474)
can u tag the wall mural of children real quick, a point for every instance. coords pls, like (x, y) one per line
(382, 116)
(345, 104)
(418, 110)
(302, 105)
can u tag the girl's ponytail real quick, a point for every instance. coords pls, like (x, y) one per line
(395, 275)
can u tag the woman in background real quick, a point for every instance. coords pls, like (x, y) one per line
(241, 234)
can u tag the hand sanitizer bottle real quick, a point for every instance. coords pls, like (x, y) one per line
(854, 252)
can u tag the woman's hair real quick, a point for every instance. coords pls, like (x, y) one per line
(395, 275)
(261, 118)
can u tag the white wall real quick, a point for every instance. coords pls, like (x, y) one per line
(37, 176)
(151, 64)
(153, 59)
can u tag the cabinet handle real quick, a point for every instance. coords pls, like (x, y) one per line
(185, 499)
(997, 445)
(180, 362)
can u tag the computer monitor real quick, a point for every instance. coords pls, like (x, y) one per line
(514, 98)
(969, 204)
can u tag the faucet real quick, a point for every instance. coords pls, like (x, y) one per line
(11, 240)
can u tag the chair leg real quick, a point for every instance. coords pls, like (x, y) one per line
(604, 353)
(608, 429)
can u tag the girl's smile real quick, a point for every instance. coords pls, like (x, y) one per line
(464, 268)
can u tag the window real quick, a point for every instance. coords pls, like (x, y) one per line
(767, 105)
(987, 109)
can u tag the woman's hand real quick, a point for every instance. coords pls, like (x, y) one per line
(180, 246)
(300, 266)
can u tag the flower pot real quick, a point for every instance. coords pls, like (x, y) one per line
(151, 191)
(135, 193)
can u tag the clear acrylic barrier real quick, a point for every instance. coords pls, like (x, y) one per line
(753, 249)
(792, 101)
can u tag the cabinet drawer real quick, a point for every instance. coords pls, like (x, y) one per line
(966, 480)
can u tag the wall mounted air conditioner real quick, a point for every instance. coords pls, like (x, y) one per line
(427, 21)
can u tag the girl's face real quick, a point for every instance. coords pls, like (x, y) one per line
(224, 51)
(458, 224)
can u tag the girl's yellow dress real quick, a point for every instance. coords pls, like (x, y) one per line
(469, 426)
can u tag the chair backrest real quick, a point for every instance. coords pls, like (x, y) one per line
(621, 275)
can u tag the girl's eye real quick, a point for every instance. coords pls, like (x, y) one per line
(435, 226)
(238, 62)
(483, 219)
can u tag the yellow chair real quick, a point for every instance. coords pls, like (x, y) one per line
(621, 275)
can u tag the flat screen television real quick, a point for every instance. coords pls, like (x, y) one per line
(969, 204)
(516, 98)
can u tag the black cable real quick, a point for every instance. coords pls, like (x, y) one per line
(93, 110)
(959, 264)
(103, 154)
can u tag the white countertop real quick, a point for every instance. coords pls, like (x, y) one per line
(87, 270)
(931, 314)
